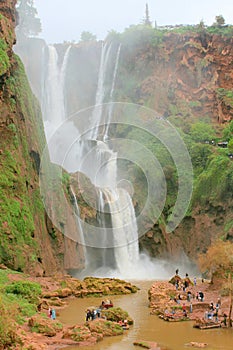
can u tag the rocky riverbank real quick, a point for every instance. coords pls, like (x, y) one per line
(199, 301)
(26, 302)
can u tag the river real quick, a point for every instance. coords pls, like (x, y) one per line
(148, 327)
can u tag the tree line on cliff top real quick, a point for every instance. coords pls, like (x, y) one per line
(29, 24)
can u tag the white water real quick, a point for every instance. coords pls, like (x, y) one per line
(125, 233)
(54, 104)
(54, 113)
(97, 112)
(111, 93)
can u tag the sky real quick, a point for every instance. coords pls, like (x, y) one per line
(65, 20)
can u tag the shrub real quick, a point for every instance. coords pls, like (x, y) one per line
(29, 290)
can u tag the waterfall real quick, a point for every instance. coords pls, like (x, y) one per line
(121, 251)
(96, 159)
(54, 111)
(100, 92)
(111, 92)
(53, 102)
(124, 227)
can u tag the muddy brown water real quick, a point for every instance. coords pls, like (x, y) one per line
(146, 327)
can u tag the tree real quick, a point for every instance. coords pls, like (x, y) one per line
(228, 132)
(146, 20)
(201, 25)
(87, 36)
(220, 21)
(29, 23)
(219, 259)
(201, 131)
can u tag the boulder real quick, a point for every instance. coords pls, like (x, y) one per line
(104, 327)
(45, 326)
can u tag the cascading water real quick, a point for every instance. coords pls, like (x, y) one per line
(108, 121)
(53, 104)
(54, 111)
(124, 228)
(97, 112)
(125, 233)
(98, 161)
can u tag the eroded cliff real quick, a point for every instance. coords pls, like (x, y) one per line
(29, 242)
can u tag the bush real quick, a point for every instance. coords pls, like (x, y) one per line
(29, 290)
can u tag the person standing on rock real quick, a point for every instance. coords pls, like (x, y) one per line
(88, 315)
(191, 307)
(53, 314)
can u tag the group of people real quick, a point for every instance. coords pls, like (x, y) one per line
(93, 313)
(213, 312)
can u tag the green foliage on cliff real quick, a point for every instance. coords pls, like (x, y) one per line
(215, 184)
(4, 59)
(16, 220)
(228, 131)
(202, 131)
(20, 203)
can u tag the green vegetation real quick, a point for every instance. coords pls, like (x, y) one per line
(4, 58)
(228, 131)
(116, 314)
(202, 131)
(215, 184)
(20, 206)
(18, 300)
(26, 289)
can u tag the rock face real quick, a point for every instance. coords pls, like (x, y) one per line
(29, 242)
(186, 72)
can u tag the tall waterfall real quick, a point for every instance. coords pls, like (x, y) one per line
(97, 160)
(124, 232)
(53, 108)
